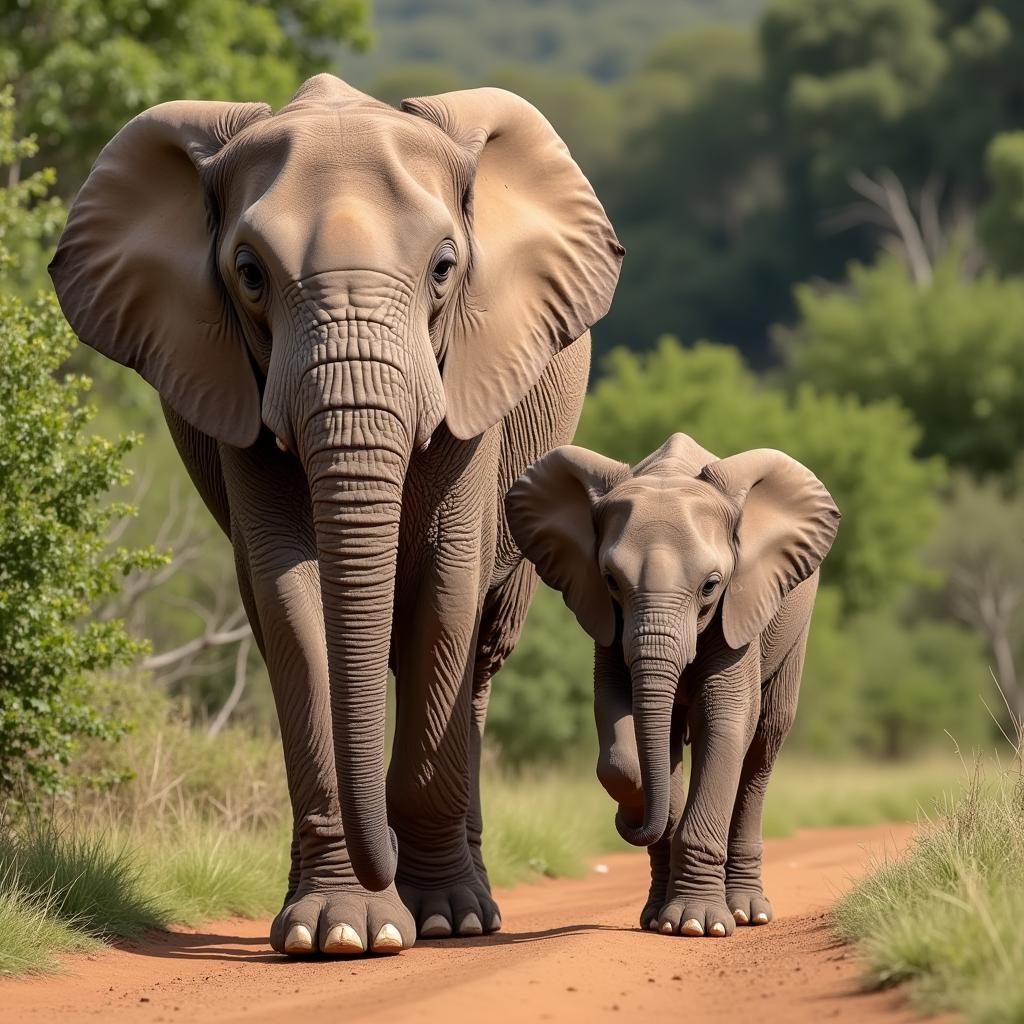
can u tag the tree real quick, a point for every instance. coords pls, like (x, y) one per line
(1002, 219)
(889, 683)
(863, 453)
(980, 549)
(55, 561)
(952, 352)
(542, 704)
(82, 68)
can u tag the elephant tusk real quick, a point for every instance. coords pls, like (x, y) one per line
(281, 444)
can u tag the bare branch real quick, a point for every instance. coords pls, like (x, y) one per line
(241, 678)
(211, 638)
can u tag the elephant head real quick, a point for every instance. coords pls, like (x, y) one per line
(647, 556)
(349, 275)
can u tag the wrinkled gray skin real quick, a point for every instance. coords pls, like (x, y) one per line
(696, 578)
(363, 323)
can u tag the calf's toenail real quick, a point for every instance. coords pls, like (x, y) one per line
(471, 925)
(666, 928)
(299, 940)
(741, 916)
(761, 918)
(692, 927)
(718, 929)
(436, 927)
(342, 938)
(389, 940)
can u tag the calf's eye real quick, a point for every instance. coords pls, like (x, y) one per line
(711, 585)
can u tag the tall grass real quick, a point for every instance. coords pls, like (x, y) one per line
(946, 917)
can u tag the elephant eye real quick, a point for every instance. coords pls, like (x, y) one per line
(444, 264)
(613, 585)
(250, 275)
(711, 584)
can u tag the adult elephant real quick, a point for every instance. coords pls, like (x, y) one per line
(364, 323)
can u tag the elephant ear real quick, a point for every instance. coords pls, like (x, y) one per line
(135, 267)
(545, 259)
(680, 455)
(787, 524)
(550, 511)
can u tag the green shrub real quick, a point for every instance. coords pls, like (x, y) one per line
(55, 562)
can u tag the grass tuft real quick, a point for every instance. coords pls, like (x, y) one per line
(31, 931)
(946, 916)
(79, 877)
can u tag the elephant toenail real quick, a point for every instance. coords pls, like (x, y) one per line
(692, 927)
(436, 927)
(718, 930)
(653, 925)
(666, 928)
(471, 925)
(343, 939)
(496, 922)
(741, 916)
(761, 918)
(388, 940)
(299, 940)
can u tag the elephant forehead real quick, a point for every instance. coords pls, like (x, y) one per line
(679, 513)
(374, 179)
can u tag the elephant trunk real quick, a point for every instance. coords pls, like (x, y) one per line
(356, 459)
(656, 666)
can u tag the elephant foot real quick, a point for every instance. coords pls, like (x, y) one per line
(695, 916)
(457, 909)
(748, 906)
(343, 921)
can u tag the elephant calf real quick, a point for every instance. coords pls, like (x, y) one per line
(696, 577)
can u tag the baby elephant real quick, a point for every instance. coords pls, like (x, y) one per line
(696, 577)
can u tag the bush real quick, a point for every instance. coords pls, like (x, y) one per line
(55, 562)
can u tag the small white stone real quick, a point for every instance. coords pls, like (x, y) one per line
(601, 869)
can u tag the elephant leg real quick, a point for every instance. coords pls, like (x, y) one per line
(721, 720)
(501, 622)
(618, 766)
(325, 908)
(744, 889)
(429, 778)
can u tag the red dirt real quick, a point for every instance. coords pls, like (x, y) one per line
(571, 950)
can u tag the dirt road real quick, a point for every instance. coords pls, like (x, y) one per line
(570, 951)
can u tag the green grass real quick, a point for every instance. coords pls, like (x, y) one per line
(805, 793)
(946, 917)
(31, 931)
(544, 823)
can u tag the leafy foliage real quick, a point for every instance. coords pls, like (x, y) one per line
(953, 352)
(55, 562)
(1002, 218)
(82, 68)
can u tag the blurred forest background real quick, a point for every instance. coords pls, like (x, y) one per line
(823, 207)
